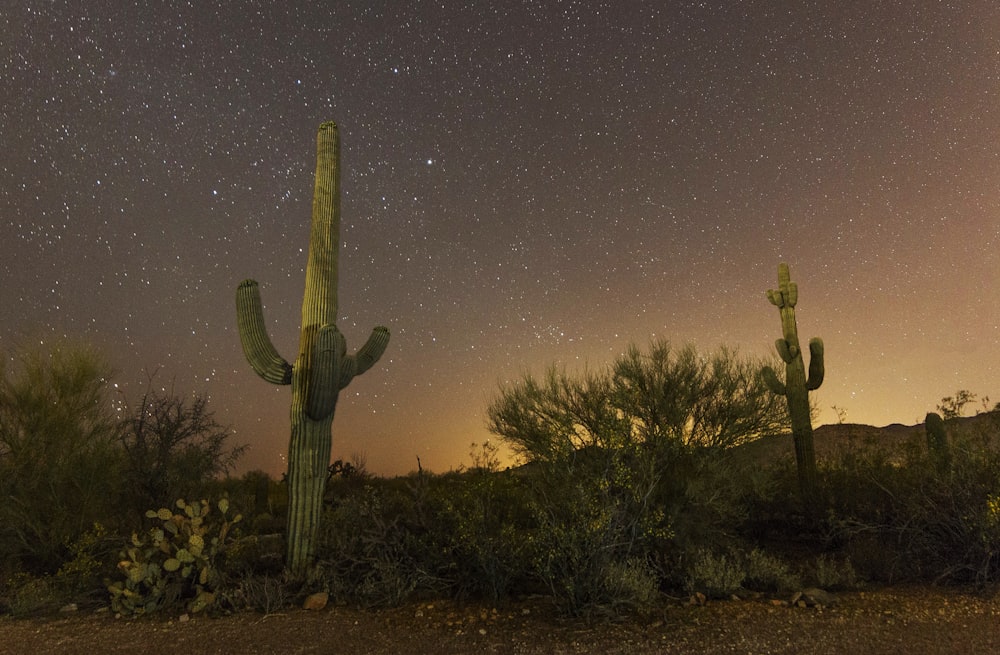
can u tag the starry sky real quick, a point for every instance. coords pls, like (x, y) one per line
(526, 183)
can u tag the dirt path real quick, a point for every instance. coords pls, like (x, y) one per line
(888, 621)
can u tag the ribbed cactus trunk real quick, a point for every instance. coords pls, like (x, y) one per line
(322, 367)
(797, 385)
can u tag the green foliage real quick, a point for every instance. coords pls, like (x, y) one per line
(373, 548)
(918, 521)
(634, 465)
(720, 574)
(767, 572)
(59, 465)
(832, 574)
(480, 520)
(717, 575)
(178, 559)
(593, 521)
(666, 399)
(90, 560)
(25, 594)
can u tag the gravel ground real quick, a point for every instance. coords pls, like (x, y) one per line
(911, 620)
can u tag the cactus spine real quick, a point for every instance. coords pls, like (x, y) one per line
(323, 366)
(797, 385)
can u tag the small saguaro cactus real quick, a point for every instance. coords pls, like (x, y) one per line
(323, 366)
(797, 385)
(937, 440)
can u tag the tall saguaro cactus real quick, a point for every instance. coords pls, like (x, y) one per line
(797, 385)
(323, 366)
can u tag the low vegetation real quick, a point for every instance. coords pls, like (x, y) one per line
(634, 484)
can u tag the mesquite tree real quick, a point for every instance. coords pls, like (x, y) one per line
(796, 386)
(323, 366)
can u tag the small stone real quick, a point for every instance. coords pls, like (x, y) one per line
(482, 631)
(814, 596)
(316, 602)
(777, 602)
(184, 618)
(68, 608)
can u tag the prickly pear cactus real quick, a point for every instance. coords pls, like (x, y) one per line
(175, 560)
(797, 385)
(323, 366)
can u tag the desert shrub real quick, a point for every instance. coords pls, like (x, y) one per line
(767, 572)
(722, 573)
(24, 594)
(267, 593)
(592, 520)
(173, 448)
(60, 470)
(717, 575)
(831, 573)
(177, 560)
(919, 521)
(636, 463)
(479, 524)
(373, 549)
(91, 560)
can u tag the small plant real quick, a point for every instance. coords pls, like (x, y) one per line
(175, 560)
(266, 594)
(831, 574)
(716, 576)
(28, 594)
(766, 572)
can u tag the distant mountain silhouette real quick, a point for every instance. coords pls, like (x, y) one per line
(832, 441)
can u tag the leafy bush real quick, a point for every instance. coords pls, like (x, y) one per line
(59, 467)
(918, 521)
(767, 572)
(593, 519)
(478, 525)
(25, 594)
(372, 549)
(832, 574)
(636, 464)
(717, 575)
(178, 559)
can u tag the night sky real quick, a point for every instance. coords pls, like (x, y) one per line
(525, 183)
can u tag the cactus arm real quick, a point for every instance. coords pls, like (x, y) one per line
(784, 351)
(328, 353)
(371, 352)
(257, 346)
(776, 386)
(816, 369)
